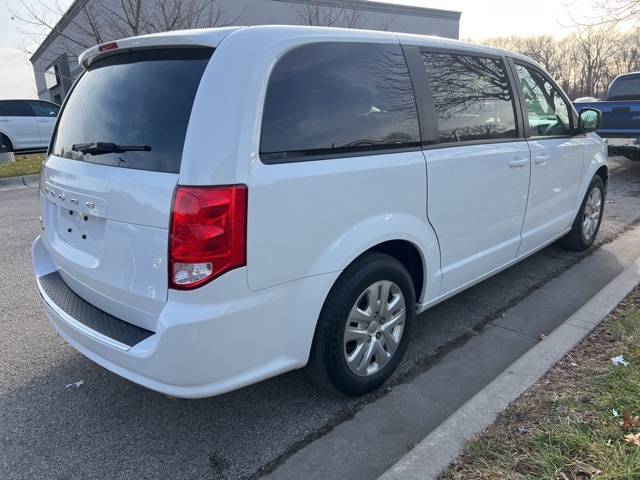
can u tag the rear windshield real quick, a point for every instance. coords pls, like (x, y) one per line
(626, 89)
(132, 110)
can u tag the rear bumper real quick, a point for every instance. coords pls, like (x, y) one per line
(208, 341)
(629, 149)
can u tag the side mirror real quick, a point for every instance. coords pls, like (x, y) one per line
(589, 120)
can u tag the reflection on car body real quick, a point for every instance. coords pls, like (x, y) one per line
(347, 181)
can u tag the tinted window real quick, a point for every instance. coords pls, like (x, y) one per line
(44, 109)
(134, 99)
(547, 112)
(472, 97)
(337, 97)
(626, 89)
(15, 108)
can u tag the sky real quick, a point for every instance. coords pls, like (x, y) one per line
(480, 19)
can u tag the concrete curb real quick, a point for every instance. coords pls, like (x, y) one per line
(433, 454)
(25, 181)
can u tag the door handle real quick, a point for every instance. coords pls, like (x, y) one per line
(542, 159)
(518, 162)
(620, 110)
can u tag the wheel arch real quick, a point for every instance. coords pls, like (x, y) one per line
(603, 172)
(10, 146)
(409, 255)
(597, 166)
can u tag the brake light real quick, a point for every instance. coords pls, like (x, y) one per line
(107, 46)
(208, 234)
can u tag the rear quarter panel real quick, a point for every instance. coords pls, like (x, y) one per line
(310, 218)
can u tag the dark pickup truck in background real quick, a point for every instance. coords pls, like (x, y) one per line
(620, 115)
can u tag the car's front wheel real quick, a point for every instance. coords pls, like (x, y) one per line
(587, 223)
(364, 326)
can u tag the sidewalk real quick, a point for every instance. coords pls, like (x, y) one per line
(433, 454)
(418, 428)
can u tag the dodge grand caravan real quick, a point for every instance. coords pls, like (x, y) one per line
(221, 206)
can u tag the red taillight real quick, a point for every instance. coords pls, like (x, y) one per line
(107, 46)
(208, 234)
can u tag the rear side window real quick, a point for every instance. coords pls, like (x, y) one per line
(472, 97)
(15, 108)
(334, 98)
(137, 99)
(626, 89)
(44, 109)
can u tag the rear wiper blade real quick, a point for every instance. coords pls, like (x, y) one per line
(99, 148)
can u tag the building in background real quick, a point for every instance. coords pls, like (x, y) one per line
(90, 22)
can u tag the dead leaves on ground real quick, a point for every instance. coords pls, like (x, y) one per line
(579, 471)
(632, 439)
(628, 425)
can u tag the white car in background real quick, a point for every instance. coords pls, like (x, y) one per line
(586, 100)
(27, 124)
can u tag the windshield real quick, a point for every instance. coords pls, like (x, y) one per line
(141, 99)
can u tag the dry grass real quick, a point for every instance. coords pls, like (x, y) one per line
(24, 165)
(565, 427)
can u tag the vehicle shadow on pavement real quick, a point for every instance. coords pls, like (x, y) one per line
(80, 420)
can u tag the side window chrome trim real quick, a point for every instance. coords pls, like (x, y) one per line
(467, 143)
(313, 157)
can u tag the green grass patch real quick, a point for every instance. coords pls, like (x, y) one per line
(580, 421)
(24, 165)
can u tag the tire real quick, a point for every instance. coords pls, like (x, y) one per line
(6, 143)
(587, 223)
(362, 336)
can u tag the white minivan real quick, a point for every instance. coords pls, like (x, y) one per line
(221, 206)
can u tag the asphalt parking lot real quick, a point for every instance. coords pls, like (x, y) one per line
(53, 426)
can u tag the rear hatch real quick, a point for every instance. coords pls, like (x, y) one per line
(107, 186)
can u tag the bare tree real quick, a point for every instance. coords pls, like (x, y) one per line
(585, 62)
(354, 16)
(512, 43)
(336, 13)
(37, 20)
(546, 51)
(165, 15)
(90, 22)
(317, 13)
(627, 57)
(596, 46)
(569, 67)
(617, 10)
